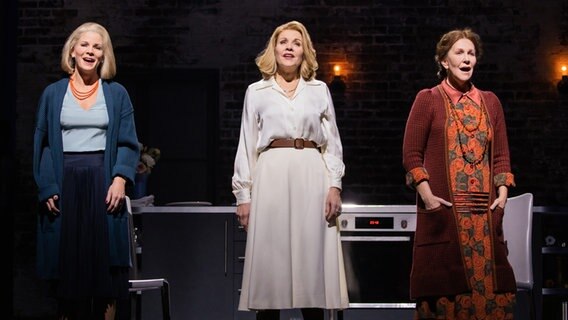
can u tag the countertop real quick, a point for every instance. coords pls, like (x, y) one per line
(347, 208)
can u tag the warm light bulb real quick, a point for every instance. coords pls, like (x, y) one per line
(563, 68)
(337, 70)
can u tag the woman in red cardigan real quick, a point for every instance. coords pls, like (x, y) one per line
(456, 156)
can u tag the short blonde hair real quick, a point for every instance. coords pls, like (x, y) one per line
(266, 60)
(447, 41)
(107, 67)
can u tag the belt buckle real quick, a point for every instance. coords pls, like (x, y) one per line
(298, 143)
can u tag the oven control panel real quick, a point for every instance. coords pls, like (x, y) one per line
(378, 218)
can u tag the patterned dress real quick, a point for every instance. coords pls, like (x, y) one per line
(469, 136)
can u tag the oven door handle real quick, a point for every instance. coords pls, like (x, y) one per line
(383, 239)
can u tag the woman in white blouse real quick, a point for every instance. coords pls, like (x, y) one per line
(287, 183)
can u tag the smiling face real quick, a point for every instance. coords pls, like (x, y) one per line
(460, 62)
(88, 52)
(289, 50)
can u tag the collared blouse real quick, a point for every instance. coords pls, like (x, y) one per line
(269, 114)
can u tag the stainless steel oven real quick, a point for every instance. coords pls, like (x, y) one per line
(377, 250)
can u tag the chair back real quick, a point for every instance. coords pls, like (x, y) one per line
(132, 235)
(517, 230)
(137, 285)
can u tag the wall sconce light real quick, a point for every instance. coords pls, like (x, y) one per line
(562, 85)
(337, 70)
(337, 85)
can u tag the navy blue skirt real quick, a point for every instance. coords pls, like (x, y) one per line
(85, 270)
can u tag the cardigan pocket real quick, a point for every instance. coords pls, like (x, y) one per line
(432, 226)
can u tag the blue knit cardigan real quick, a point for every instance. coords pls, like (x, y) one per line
(120, 158)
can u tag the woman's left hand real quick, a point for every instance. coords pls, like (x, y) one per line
(115, 194)
(501, 199)
(332, 205)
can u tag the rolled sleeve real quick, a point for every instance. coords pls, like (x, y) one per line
(416, 176)
(504, 179)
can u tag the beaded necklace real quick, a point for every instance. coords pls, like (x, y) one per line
(467, 155)
(82, 95)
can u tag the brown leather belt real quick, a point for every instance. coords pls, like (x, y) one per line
(289, 143)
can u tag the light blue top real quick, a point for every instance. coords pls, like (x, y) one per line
(84, 130)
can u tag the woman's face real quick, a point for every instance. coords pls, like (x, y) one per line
(460, 61)
(289, 50)
(88, 51)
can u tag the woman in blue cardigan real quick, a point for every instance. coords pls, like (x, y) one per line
(85, 153)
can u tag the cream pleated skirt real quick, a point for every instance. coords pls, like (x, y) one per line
(293, 258)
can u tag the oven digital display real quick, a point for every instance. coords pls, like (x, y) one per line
(374, 222)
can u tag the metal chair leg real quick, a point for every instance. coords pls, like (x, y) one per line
(166, 300)
(136, 305)
(331, 314)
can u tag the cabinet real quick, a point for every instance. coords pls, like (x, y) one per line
(194, 251)
(239, 245)
(551, 229)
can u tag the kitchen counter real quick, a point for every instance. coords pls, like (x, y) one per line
(347, 208)
(184, 209)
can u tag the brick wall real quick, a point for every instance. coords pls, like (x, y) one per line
(386, 47)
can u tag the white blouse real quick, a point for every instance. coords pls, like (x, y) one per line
(269, 114)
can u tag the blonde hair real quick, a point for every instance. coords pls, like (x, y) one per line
(447, 41)
(107, 67)
(266, 59)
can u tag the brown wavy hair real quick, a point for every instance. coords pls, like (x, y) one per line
(447, 41)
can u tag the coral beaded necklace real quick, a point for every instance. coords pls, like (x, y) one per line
(82, 95)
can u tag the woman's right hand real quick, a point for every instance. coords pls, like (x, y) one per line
(243, 212)
(434, 202)
(429, 199)
(51, 204)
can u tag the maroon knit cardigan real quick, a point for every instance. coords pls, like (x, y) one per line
(438, 266)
